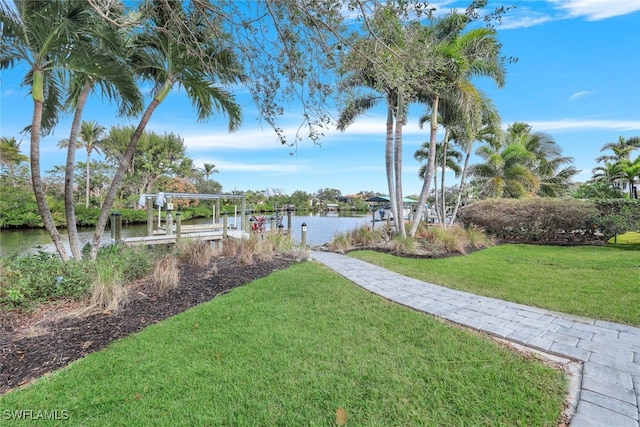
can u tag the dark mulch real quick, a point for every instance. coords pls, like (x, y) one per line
(34, 344)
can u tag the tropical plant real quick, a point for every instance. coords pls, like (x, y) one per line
(629, 171)
(50, 36)
(463, 56)
(207, 169)
(161, 57)
(90, 138)
(449, 158)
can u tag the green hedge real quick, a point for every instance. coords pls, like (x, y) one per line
(553, 220)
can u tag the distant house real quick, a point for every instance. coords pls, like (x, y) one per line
(274, 192)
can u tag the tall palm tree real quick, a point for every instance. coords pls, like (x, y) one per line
(50, 37)
(378, 75)
(208, 169)
(161, 57)
(90, 138)
(483, 126)
(475, 53)
(105, 70)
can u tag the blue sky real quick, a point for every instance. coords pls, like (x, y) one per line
(576, 79)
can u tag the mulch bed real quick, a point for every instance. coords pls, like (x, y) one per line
(35, 343)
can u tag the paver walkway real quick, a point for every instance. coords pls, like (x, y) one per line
(609, 388)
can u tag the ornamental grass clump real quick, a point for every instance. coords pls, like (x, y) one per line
(107, 290)
(166, 275)
(341, 242)
(198, 253)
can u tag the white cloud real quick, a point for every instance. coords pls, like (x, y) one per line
(514, 21)
(594, 10)
(577, 124)
(579, 95)
(284, 168)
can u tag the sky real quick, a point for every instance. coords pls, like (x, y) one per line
(577, 79)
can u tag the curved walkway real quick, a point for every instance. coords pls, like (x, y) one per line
(608, 392)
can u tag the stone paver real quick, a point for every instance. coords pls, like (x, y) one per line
(609, 379)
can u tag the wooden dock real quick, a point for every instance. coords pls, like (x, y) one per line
(163, 239)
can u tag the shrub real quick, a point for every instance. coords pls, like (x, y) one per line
(543, 220)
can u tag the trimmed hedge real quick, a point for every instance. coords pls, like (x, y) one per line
(553, 220)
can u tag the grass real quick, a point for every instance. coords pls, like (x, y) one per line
(292, 348)
(628, 238)
(597, 282)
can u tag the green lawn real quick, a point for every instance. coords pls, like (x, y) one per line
(289, 350)
(598, 282)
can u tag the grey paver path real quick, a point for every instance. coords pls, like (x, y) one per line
(608, 393)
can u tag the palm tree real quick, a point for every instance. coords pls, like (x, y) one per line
(448, 160)
(507, 171)
(361, 70)
(555, 177)
(629, 170)
(208, 169)
(50, 37)
(621, 149)
(462, 56)
(161, 57)
(90, 138)
(483, 126)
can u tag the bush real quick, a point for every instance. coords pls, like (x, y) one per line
(38, 277)
(543, 220)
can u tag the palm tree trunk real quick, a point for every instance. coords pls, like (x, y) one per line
(388, 158)
(88, 182)
(444, 168)
(36, 178)
(125, 161)
(397, 163)
(432, 162)
(69, 203)
(463, 177)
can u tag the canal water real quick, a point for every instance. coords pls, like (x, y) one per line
(320, 229)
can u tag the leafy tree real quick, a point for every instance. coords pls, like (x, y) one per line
(327, 195)
(11, 159)
(157, 155)
(301, 199)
